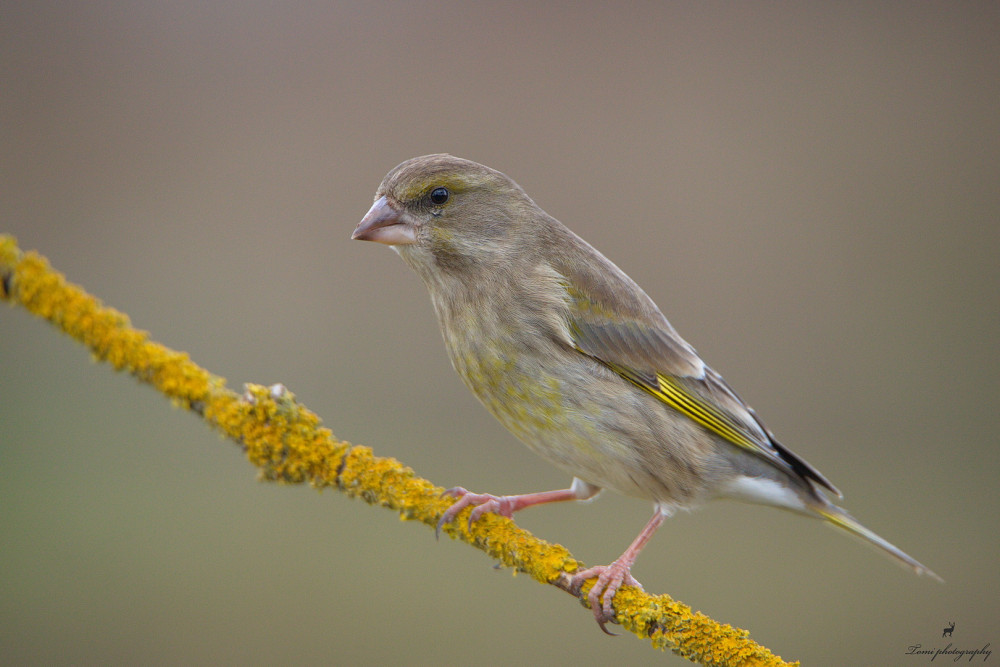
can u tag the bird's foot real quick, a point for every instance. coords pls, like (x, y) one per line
(601, 595)
(507, 505)
(481, 502)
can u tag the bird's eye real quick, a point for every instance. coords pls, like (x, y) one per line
(439, 196)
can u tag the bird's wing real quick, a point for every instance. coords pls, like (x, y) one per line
(613, 321)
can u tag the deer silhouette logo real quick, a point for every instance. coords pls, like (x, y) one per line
(950, 629)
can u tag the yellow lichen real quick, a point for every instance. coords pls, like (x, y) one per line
(287, 443)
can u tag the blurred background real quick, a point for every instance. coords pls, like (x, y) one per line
(809, 192)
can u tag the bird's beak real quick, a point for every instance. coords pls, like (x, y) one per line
(384, 224)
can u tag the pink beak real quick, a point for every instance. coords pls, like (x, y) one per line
(384, 224)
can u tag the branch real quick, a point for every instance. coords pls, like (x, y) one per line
(287, 443)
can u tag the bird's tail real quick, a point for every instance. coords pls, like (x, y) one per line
(841, 519)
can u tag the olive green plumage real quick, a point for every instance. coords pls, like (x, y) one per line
(577, 361)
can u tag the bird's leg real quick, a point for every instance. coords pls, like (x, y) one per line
(611, 577)
(507, 505)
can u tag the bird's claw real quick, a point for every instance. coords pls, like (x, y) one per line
(481, 502)
(602, 594)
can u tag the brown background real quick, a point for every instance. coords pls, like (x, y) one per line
(809, 191)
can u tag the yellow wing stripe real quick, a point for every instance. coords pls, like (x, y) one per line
(670, 391)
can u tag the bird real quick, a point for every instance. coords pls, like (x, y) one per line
(577, 362)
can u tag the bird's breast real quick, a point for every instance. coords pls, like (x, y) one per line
(565, 406)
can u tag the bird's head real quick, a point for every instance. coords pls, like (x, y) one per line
(448, 212)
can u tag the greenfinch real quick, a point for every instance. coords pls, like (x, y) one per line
(578, 363)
